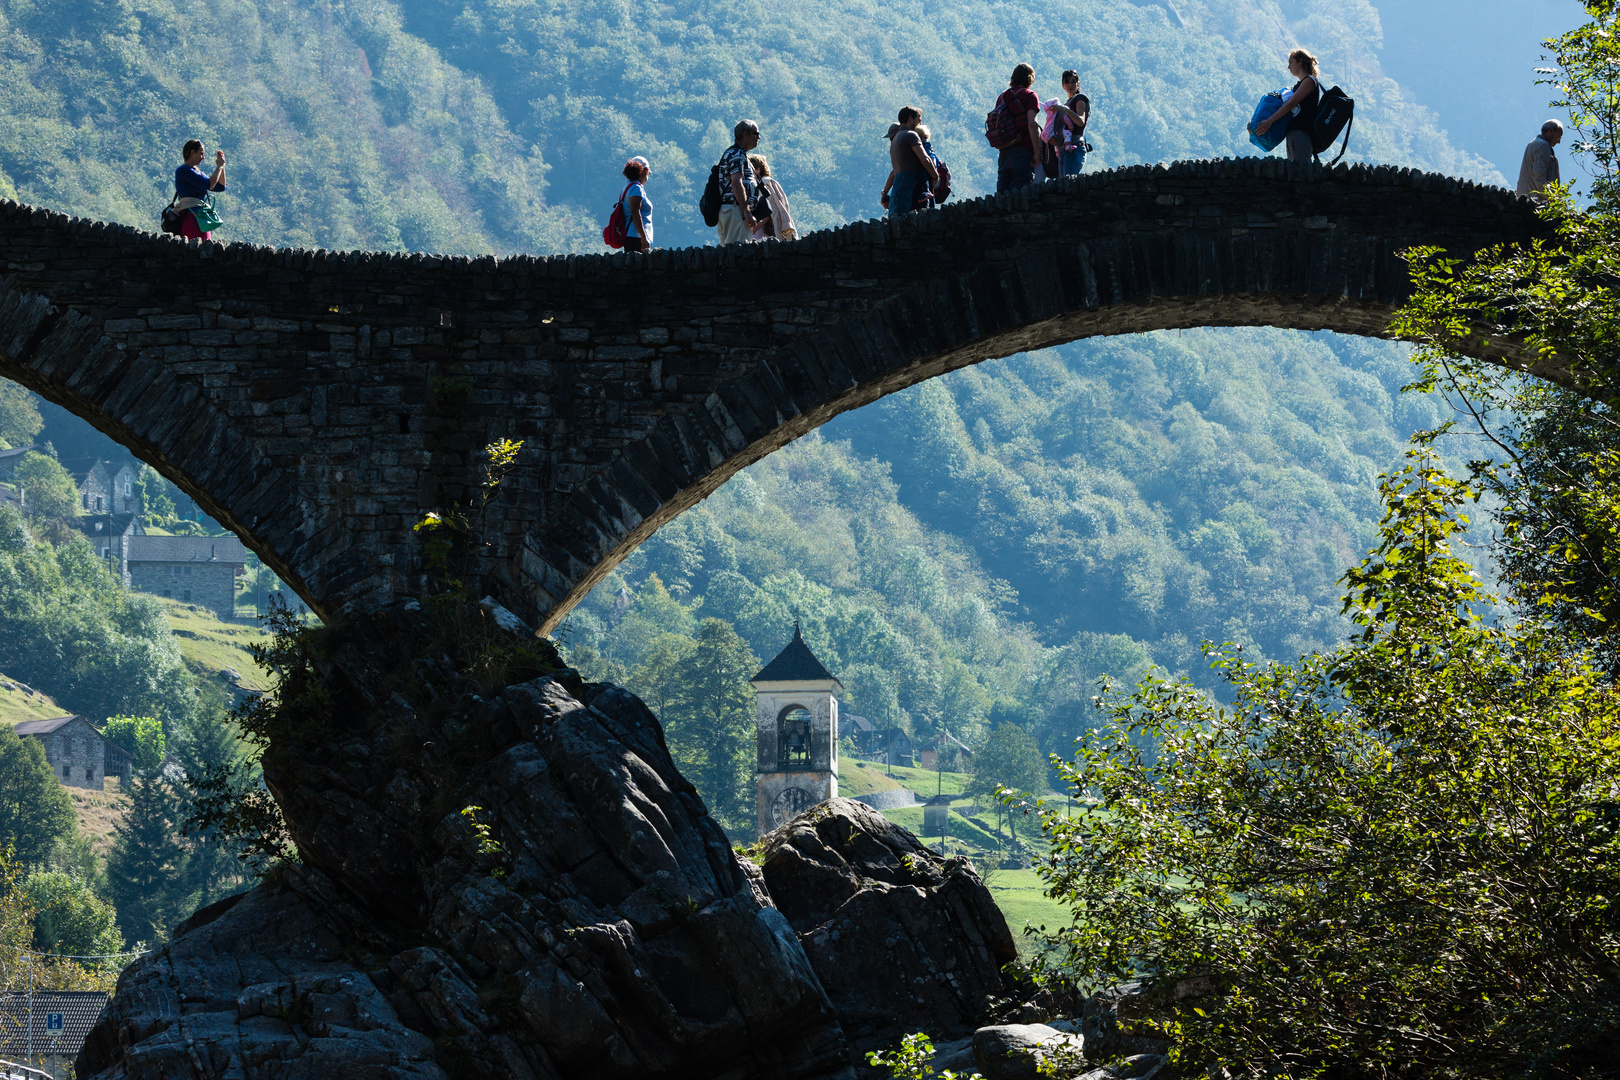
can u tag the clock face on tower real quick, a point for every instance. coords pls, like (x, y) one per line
(790, 804)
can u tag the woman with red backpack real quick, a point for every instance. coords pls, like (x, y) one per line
(1014, 128)
(638, 225)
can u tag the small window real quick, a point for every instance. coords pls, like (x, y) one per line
(99, 501)
(188, 596)
(86, 499)
(67, 772)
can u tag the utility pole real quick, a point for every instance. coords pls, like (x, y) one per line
(29, 1053)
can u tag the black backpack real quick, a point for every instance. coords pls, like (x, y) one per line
(1336, 112)
(709, 204)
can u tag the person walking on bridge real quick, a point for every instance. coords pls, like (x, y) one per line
(638, 223)
(192, 186)
(739, 188)
(1069, 126)
(1015, 167)
(911, 170)
(1540, 166)
(1300, 104)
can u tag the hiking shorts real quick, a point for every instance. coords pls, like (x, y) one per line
(904, 191)
(1299, 146)
(732, 229)
(1016, 169)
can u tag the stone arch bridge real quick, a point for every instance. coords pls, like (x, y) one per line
(318, 402)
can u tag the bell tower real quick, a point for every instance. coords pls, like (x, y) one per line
(797, 714)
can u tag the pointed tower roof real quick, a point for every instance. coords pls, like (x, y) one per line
(796, 663)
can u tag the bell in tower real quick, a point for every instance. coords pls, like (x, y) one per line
(797, 714)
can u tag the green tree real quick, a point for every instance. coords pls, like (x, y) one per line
(35, 811)
(1392, 859)
(660, 678)
(69, 918)
(152, 495)
(144, 870)
(1009, 759)
(711, 731)
(50, 497)
(141, 737)
(19, 416)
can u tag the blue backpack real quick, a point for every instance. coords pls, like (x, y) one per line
(1277, 132)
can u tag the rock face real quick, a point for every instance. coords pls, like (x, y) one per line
(1016, 1051)
(902, 939)
(587, 919)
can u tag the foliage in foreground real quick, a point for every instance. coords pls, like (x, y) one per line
(20, 965)
(910, 1060)
(1395, 859)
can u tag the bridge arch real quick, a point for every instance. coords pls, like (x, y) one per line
(317, 403)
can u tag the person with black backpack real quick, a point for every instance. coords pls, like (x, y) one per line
(739, 187)
(1014, 128)
(1300, 106)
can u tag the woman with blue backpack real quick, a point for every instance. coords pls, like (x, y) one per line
(1298, 109)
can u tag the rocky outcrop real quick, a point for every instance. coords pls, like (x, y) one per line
(502, 875)
(902, 939)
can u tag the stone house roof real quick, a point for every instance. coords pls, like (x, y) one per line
(9, 458)
(45, 727)
(796, 663)
(80, 1009)
(99, 526)
(187, 549)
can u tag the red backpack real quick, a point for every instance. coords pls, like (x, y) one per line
(1001, 127)
(617, 230)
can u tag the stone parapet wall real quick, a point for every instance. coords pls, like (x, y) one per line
(318, 402)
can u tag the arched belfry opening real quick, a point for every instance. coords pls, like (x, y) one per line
(797, 715)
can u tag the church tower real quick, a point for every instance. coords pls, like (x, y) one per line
(797, 714)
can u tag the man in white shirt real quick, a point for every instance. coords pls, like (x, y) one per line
(1540, 166)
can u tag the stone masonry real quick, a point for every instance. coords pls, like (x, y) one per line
(318, 402)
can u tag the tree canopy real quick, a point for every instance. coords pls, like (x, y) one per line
(35, 811)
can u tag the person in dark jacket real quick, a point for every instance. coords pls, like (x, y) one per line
(1301, 104)
(191, 185)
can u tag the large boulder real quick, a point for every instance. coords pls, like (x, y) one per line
(902, 939)
(501, 875)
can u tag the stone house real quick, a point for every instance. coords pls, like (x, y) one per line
(10, 458)
(108, 489)
(109, 534)
(195, 569)
(77, 752)
(955, 753)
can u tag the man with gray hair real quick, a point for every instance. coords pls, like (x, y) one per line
(1540, 166)
(739, 187)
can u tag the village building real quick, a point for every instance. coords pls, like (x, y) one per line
(10, 458)
(45, 1029)
(198, 570)
(78, 754)
(946, 748)
(796, 713)
(109, 534)
(108, 489)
